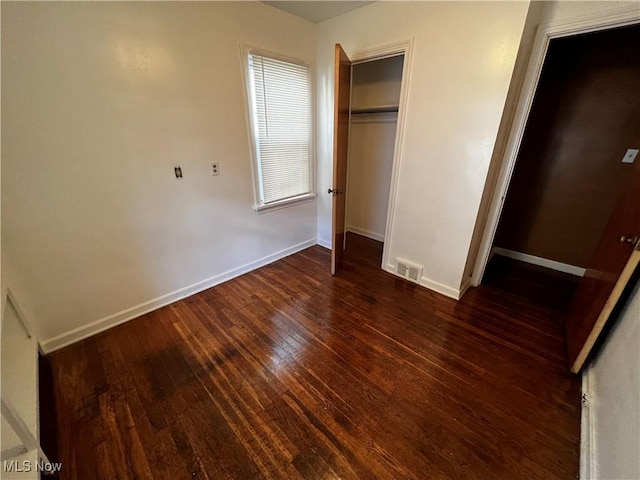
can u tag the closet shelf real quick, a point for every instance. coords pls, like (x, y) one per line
(379, 109)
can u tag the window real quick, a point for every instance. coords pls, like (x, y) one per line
(279, 93)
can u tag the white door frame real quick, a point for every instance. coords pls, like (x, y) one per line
(378, 53)
(623, 16)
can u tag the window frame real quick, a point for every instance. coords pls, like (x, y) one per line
(260, 207)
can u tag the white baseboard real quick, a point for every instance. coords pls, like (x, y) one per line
(587, 431)
(541, 262)
(440, 288)
(324, 243)
(431, 285)
(466, 285)
(366, 233)
(85, 331)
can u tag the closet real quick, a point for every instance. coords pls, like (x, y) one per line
(375, 95)
(571, 169)
(569, 232)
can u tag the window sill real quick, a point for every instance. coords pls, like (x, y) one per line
(288, 202)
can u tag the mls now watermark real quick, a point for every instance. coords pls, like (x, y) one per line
(15, 466)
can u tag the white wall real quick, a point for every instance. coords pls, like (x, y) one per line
(614, 383)
(377, 83)
(371, 145)
(463, 57)
(99, 102)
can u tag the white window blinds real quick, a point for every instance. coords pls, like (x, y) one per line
(281, 123)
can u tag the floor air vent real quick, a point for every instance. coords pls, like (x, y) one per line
(408, 270)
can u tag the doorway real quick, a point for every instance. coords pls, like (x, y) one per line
(368, 131)
(574, 166)
(375, 97)
(569, 173)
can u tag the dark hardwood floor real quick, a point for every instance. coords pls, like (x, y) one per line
(540, 285)
(287, 372)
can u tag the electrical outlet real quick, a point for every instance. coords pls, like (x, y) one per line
(215, 168)
(177, 170)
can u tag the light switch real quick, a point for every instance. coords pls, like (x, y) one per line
(630, 156)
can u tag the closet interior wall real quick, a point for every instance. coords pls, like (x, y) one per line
(569, 173)
(375, 94)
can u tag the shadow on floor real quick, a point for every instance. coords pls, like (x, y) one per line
(540, 285)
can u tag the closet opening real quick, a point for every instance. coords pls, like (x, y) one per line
(568, 235)
(373, 124)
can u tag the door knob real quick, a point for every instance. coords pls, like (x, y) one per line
(335, 191)
(630, 239)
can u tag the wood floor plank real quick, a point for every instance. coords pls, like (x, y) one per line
(287, 372)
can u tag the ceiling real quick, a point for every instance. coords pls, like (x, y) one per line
(317, 11)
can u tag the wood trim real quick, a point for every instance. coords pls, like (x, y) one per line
(386, 117)
(429, 284)
(12, 452)
(366, 233)
(605, 314)
(587, 443)
(323, 243)
(22, 318)
(287, 202)
(618, 16)
(541, 262)
(18, 425)
(72, 336)
(466, 285)
(382, 51)
(372, 110)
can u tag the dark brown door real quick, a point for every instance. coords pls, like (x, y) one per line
(609, 271)
(340, 149)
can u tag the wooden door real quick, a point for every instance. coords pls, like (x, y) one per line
(609, 271)
(342, 98)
